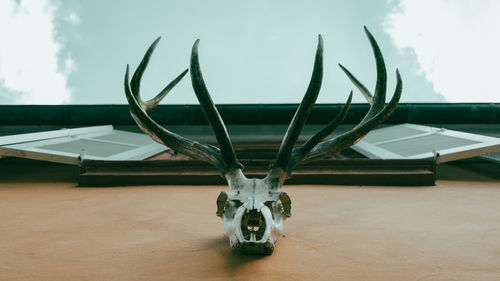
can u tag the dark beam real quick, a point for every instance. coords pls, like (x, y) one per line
(244, 114)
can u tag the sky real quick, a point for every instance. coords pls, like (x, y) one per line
(75, 52)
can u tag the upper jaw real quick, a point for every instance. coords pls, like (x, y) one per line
(252, 243)
(237, 236)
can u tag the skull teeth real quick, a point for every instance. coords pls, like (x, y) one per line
(253, 228)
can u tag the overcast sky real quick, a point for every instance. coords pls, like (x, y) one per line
(60, 52)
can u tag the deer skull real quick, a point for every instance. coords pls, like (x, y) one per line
(253, 210)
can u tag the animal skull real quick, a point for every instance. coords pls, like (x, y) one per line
(253, 210)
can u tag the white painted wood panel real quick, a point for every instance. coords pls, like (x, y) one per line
(410, 141)
(70, 145)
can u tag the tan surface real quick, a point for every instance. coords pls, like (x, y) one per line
(54, 231)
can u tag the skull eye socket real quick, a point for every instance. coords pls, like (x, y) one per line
(225, 206)
(230, 207)
(280, 207)
(275, 207)
(221, 201)
(286, 204)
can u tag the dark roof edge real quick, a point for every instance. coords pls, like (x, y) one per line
(251, 114)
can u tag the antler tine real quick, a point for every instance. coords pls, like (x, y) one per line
(347, 139)
(302, 112)
(135, 83)
(377, 113)
(300, 152)
(366, 93)
(163, 136)
(381, 84)
(378, 99)
(211, 113)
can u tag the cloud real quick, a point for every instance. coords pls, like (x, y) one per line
(455, 42)
(73, 18)
(30, 72)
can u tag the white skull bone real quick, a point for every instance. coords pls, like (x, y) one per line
(253, 211)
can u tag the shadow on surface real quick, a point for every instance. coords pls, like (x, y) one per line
(234, 259)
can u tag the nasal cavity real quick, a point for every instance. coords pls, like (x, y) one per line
(253, 223)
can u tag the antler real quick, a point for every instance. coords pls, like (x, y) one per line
(223, 158)
(135, 84)
(314, 148)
